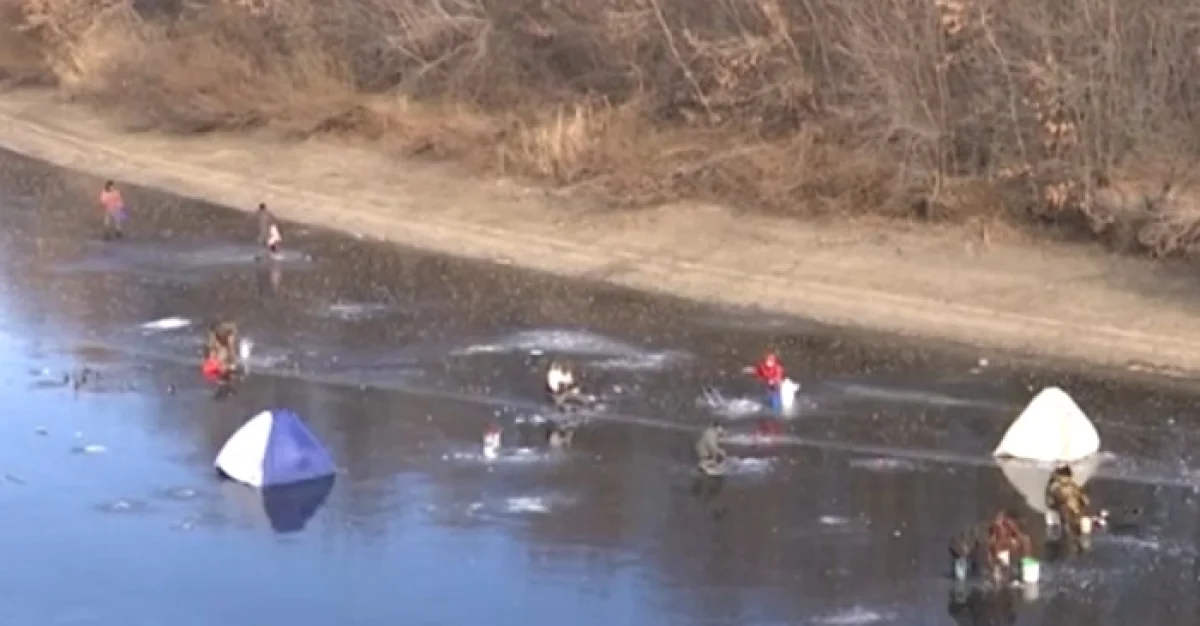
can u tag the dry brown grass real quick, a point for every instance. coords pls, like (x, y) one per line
(1077, 113)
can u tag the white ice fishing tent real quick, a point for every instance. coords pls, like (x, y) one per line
(1030, 478)
(274, 449)
(1051, 429)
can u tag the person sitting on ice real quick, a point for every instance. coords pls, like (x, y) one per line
(711, 458)
(562, 386)
(221, 360)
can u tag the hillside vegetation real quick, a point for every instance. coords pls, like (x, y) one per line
(1081, 114)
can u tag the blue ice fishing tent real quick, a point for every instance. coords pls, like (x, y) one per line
(272, 449)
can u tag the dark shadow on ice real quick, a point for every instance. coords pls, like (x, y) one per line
(285, 509)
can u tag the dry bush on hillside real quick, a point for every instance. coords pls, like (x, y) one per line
(1075, 112)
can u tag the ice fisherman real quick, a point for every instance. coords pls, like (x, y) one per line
(993, 547)
(1067, 498)
(221, 360)
(562, 386)
(113, 205)
(780, 389)
(710, 456)
(268, 230)
(1007, 544)
(769, 370)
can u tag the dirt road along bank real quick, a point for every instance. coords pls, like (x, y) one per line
(1070, 302)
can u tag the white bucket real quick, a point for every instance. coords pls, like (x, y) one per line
(960, 569)
(245, 348)
(1031, 571)
(788, 389)
(1085, 525)
(491, 444)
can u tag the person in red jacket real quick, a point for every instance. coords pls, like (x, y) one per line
(221, 363)
(769, 370)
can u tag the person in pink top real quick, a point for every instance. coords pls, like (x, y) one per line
(114, 211)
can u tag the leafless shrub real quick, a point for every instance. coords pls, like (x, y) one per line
(1077, 112)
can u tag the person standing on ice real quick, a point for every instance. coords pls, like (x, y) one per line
(268, 230)
(769, 370)
(1067, 499)
(114, 211)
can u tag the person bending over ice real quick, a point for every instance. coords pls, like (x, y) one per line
(710, 456)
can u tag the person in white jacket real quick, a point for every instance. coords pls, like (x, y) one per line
(562, 386)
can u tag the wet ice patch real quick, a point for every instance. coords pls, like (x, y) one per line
(754, 439)
(256, 356)
(354, 311)
(497, 509)
(742, 466)
(854, 616)
(123, 505)
(177, 493)
(913, 396)
(732, 408)
(648, 361)
(755, 320)
(582, 343)
(506, 456)
(214, 255)
(885, 465)
(166, 324)
(1153, 545)
(527, 504)
(740, 407)
(602, 352)
(175, 256)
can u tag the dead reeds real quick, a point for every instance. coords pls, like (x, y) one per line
(1077, 113)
